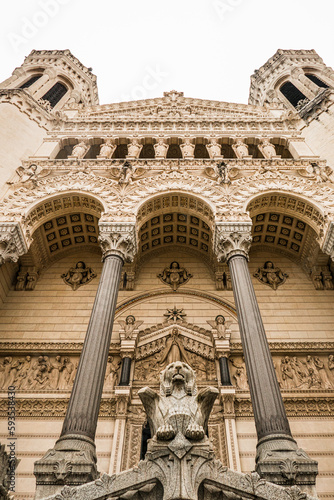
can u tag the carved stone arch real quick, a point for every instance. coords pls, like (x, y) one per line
(287, 224)
(59, 223)
(175, 219)
(288, 203)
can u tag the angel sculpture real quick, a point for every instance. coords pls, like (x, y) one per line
(178, 409)
(271, 275)
(129, 326)
(222, 173)
(319, 174)
(31, 173)
(220, 326)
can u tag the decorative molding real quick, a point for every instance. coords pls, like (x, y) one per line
(118, 239)
(13, 243)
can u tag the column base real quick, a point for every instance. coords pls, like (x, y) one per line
(71, 462)
(280, 461)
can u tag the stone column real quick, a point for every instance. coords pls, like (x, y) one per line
(125, 372)
(278, 458)
(73, 459)
(225, 378)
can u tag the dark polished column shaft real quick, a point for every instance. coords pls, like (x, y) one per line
(125, 373)
(83, 408)
(268, 407)
(224, 371)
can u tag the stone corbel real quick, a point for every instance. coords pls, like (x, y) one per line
(232, 238)
(13, 243)
(118, 238)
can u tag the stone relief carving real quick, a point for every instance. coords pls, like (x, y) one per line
(239, 376)
(78, 275)
(107, 149)
(187, 148)
(267, 149)
(175, 314)
(177, 410)
(79, 150)
(271, 275)
(160, 149)
(214, 149)
(112, 372)
(220, 326)
(53, 373)
(134, 148)
(174, 275)
(129, 326)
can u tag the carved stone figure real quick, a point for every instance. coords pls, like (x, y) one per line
(214, 149)
(107, 149)
(68, 369)
(240, 148)
(126, 174)
(56, 368)
(267, 149)
(178, 409)
(174, 350)
(23, 381)
(78, 275)
(187, 149)
(160, 149)
(110, 379)
(271, 275)
(41, 370)
(218, 326)
(129, 326)
(79, 150)
(240, 376)
(320, 366)
(174, 275)
(134, 149)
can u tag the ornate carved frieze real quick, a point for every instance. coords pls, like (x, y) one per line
(118, 239)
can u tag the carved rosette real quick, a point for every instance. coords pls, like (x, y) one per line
(232, 238)
(118, 239)
(12, 242)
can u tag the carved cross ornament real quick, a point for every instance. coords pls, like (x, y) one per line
(118, 239)
(232, 238)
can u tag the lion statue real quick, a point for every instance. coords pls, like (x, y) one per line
(178, 408)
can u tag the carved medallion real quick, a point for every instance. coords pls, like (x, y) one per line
(271, 275)
(174, 275)
(78, 275)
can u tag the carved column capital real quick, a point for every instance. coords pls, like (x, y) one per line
(13, 244)
(118, 238)
(232, 238)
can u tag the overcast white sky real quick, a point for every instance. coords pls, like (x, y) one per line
(140, 48)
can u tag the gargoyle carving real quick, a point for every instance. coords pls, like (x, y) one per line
(178, 409)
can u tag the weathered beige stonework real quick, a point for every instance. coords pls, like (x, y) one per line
(158, 179)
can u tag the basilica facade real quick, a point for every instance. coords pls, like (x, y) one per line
(175, 229)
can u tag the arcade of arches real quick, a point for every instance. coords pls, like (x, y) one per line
(171, 229)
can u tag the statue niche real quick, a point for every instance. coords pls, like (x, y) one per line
(178, 410)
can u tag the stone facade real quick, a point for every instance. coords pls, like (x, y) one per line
(169, 192)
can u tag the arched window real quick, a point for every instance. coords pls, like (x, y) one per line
(29, 82)
(293, 95)
(316, 80)
(55, 93)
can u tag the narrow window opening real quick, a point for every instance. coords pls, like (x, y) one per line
(293, 95)
(317, 81)
(55, 93)
(29, 82)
